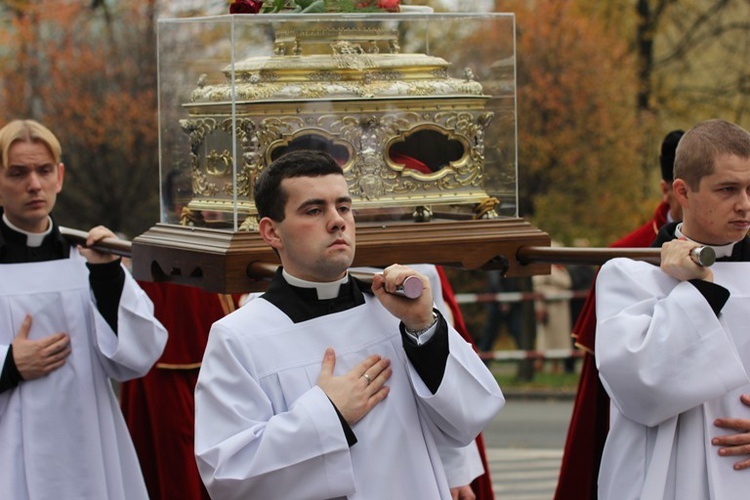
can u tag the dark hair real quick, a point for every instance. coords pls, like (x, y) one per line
(666, 158)
(701, 145)
(270, 199)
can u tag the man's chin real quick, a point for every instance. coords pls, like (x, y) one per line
(33, 221)
(734, 233)
(340, 263)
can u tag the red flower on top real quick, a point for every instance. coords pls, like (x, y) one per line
(375, 5)
(245, 6)
(389, 5)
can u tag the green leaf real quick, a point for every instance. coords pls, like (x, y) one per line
(314, 7)
(275, 6)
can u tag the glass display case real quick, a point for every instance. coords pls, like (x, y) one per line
(418, 108)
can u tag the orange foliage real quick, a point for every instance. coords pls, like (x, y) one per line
(92, 82)
(579, 133)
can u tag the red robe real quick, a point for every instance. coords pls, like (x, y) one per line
(482, 486)
(159, 408)
(590, 419)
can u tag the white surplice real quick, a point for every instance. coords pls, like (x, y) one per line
(463, 464)
(264, 429)
(671, 367)
(63, 435)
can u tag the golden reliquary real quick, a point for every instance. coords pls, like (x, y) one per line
(422, 123)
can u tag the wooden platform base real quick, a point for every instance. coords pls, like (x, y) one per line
(222, 261)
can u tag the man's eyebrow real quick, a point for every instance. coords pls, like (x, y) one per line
(23, 165)
(311, 202)
(725, 183)
(319, 201)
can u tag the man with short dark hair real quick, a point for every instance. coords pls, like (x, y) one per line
(321, 388)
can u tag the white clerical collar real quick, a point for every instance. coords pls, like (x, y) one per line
(32, 239)
(721, 250)
(325, 290)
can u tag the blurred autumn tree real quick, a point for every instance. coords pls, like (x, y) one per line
(87, 70)
(691, 55)
(580, 153)
(675, 61)
(691, 58)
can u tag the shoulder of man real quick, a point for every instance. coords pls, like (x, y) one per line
(644, 235)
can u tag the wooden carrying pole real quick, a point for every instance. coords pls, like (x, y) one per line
(115, 246)
(590, 256)
(703, 255)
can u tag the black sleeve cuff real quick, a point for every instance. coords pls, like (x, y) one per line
(107, 271)
(351, 439)
(106, 282)
(715, 295)
(430, 358)
(10, 377)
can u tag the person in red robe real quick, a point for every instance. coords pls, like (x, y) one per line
(159, 408)
(589, 422)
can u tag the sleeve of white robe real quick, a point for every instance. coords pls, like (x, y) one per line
(466, 381)
(244, 450)
(660, 348)
(140, 337)
(466, 400)
(462, 465)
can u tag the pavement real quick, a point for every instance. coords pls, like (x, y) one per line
(537, 394)
(524, 474)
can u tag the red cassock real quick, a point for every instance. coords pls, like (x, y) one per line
(482, 486)
(590, 419)
(159, 408)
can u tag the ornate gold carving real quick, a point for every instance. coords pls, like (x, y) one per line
(201, 185)
(328, 83)
(197, 130)
(249, 224)
(219, 164)
(304, 39)
(486, 209)
(246, 169)
(351, 56)
(190, 217)
(353, 88)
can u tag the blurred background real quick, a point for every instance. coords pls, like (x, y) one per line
(599, 84)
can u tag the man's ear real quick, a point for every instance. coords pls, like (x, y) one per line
(681, 191)
(60, 176)
(267, 228)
